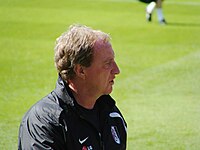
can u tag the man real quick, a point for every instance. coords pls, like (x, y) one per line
(79, 114)
(150, 8)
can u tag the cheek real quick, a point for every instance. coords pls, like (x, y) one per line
(105, 78)
(101, 79)
(99, 76)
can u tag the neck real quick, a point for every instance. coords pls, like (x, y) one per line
(83, 96)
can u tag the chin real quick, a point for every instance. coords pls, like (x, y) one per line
(108, 91)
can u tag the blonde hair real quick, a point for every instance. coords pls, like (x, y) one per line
(76, 47)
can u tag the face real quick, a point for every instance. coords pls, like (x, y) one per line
(101, 74)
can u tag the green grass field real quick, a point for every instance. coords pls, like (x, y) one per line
(158, 89)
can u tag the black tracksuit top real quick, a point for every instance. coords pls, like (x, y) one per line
(55, 123)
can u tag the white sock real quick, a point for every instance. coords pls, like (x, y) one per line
(150, 7)
(160, 14)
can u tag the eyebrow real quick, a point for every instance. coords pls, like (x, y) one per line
(109, 59)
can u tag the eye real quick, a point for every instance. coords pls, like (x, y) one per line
(108, 64)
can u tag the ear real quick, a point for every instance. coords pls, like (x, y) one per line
(79, 70)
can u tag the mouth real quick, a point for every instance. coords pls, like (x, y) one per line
(112, 82)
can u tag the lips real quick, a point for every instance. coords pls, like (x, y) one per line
(112, 81)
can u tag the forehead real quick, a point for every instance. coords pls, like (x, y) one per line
(103, 49)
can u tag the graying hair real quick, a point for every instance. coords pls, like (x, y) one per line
(76, 47)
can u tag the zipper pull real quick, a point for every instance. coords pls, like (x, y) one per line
(101, 142)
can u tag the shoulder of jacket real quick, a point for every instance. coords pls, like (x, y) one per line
(45, 110)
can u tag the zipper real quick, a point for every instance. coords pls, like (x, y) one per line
(101, 142)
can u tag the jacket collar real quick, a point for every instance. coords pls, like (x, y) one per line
(63, 92)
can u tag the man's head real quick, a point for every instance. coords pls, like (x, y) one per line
(85, 57)
(76, 46)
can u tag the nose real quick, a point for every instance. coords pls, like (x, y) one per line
(115, 69)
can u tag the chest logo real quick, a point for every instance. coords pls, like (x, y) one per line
(83, 140)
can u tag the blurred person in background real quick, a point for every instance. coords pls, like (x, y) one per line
(79, 114)
(152, 4)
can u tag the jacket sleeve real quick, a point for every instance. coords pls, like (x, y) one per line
(41, 130)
